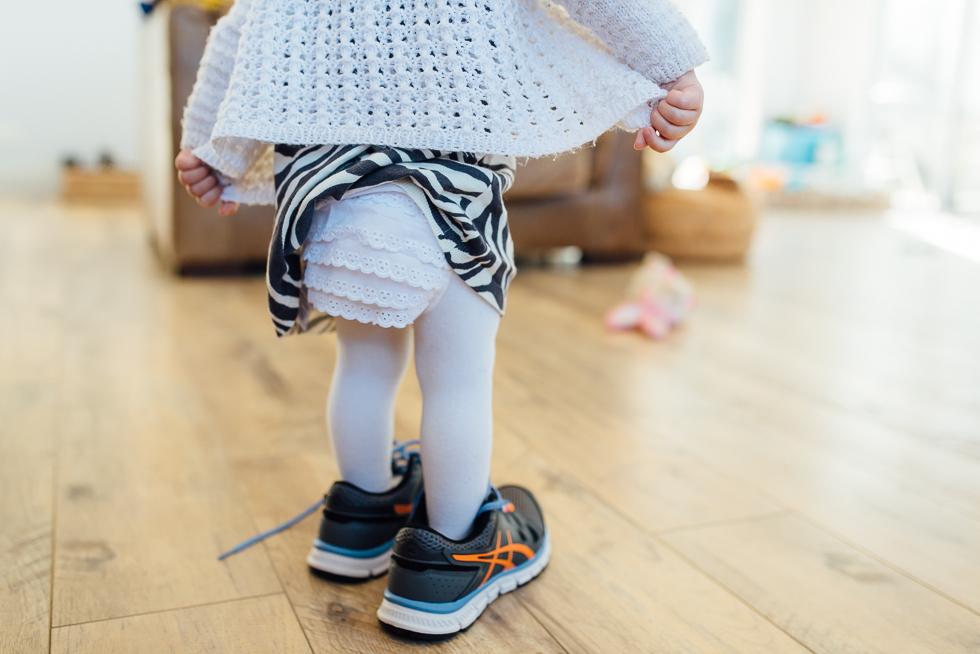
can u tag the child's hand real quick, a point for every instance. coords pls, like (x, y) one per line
(674, 116)
(201, 182)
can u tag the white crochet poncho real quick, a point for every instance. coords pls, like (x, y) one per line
(515, 77)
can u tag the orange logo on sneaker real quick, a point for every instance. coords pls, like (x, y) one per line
(492, 557)
(403, 509)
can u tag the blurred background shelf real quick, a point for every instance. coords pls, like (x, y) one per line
(100, 185)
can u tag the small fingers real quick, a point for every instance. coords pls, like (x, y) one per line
(210, 198)
(648, 137)
(227, 208)
(689, 98)
(186, 161)
(194, 175)
(639, 143)
(677, 116)
(668, 130)
(657, 142)
(203, 186)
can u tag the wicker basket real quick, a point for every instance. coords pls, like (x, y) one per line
(714, 224)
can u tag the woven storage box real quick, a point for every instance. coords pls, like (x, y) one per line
(715, 223)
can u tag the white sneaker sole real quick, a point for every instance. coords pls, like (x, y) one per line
(348, 566)
(424, 622)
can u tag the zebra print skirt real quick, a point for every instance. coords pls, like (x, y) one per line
(459, 194)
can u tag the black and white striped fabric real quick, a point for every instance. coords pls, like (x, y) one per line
(460, 194)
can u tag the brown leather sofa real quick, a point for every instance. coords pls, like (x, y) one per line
(590, 198)
(186, 235)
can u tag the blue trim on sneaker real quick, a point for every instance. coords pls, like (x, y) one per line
(354, 554)
(450, 607)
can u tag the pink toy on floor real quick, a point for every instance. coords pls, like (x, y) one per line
(659, 299)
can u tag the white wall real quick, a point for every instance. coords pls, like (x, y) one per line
(68, 85)
(793, 58)
(821, 56)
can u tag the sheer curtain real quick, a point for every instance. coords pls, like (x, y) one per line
(924, 101)
(900, 79)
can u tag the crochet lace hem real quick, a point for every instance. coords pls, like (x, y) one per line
(363, 313)
(389, 194)
(334, 255)
(320, 279)
(378, 240)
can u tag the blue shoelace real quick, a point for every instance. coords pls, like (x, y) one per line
(399, 456)
(500, 503)
(399, 466)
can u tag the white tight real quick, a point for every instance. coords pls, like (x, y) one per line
(454, 356)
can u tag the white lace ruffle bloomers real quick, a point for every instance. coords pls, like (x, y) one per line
(373, 258)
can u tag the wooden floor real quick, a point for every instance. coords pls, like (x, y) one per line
(797, 470)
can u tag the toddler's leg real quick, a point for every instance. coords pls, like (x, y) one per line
(454, 355)
(371, 362)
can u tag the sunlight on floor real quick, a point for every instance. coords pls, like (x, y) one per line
(951, 233)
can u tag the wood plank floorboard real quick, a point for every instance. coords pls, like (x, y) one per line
(30, 384)
(927, 541)
(795, 470)
(262, 625)
(611, 589)
(930, 542)
(921, 466)
(926, 466)
(877, 344)
(829, 596)
(147, 499)
(576, 420)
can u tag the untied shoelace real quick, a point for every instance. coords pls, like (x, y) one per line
(399, 466)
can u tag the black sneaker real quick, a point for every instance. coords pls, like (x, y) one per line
(441, 586)
(358, 528)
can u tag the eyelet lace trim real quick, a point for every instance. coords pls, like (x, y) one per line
(394, 198)
(321, 280)
(326, 254)
(364, 313)
(378, 240)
